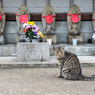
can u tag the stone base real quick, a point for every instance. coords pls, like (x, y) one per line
(79, 50)
(30, 52)
(53, 37)
(8, 50)
(78, 37)
(2, 40)
(93, 41)
(22, 38)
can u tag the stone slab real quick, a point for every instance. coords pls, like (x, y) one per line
(11, 63)
(61, 31)
(79, 50)
(53, 37)
(24, 48)
(78, 37)
(93, 41)
(8, 50)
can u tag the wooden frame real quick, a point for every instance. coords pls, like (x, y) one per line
(59, 17)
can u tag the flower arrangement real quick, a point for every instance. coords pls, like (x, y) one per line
(93, 36)
(32, 31)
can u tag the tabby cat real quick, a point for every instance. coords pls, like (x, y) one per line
(69, 65)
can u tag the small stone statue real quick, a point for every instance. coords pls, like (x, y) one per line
(73, 19)
(22, 16)
(93, 36)
(48, 20)
(2, 25)
(93, 19)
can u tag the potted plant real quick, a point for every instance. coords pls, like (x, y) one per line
(32, 31)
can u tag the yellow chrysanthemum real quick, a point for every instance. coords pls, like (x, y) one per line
(41, 35)
(30, 23)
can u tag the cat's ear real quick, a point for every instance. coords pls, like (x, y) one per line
(62, 47)
(54, 48)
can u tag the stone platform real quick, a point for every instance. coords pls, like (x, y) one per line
(27, 52)
(85, 53)
(8, 50)
(11, 63)
(78, 37)
(80, 50)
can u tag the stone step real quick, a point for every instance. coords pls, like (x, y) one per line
(11, 62)
(79, 50)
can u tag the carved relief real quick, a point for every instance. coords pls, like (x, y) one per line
(48, 20)
(33, 55)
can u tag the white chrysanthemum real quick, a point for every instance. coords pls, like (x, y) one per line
(24, 25)
(93, 36)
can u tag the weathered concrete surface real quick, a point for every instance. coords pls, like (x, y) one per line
(79, 50)
(43, 82)
(8, 50)
(61, 30)
(42, 49)
(11, 63)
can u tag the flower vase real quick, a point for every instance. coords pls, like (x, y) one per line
(30, 40)
(74, 42)
(35, 40)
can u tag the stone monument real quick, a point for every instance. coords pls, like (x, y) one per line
(48, 22)
(32, 52)
(74, 20)
(22, 16)
(93, 19)
(2, 25)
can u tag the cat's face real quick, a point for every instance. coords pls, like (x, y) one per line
(59, 52)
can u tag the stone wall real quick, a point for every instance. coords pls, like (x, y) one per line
(36, 6)
(61, 31)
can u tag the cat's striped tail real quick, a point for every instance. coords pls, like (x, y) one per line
(92, 78)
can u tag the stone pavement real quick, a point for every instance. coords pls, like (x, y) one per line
(42, 81)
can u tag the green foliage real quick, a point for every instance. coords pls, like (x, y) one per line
(30, 34)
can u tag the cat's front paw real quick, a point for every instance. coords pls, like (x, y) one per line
(59, 76)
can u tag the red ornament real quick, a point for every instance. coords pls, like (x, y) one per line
(0, 17)
(74, 17)
(48, 18)
(23, 18)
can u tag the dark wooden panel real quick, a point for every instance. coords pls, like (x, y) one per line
(59, 17)
(36, 17)
(86, 16)
(10, 16)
